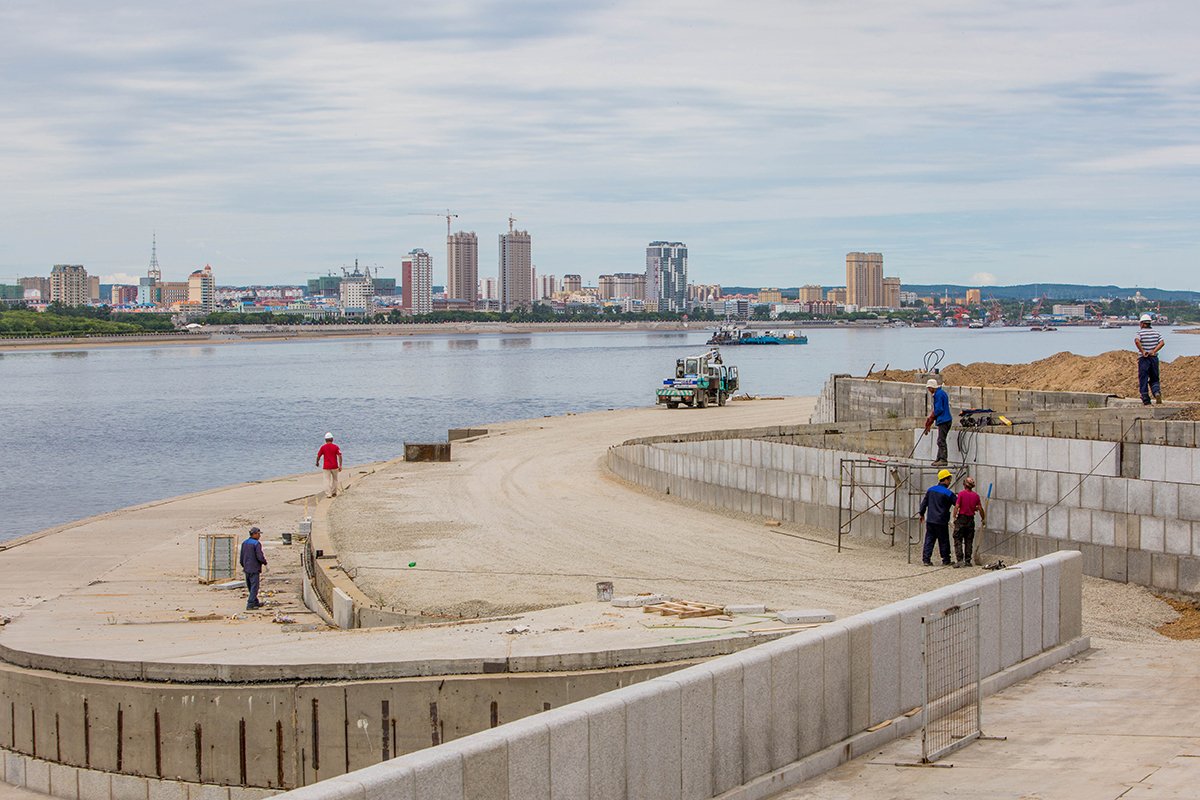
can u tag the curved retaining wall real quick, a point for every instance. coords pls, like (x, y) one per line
(745, 725)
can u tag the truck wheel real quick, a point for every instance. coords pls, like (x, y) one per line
(720, 398)
(672, 405)
(702, 400)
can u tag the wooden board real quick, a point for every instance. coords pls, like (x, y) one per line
(684, 609)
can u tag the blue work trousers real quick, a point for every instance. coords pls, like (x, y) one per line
(1147, 377)
(936, 532)
(252, 587)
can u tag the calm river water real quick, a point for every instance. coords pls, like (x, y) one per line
(88, 431)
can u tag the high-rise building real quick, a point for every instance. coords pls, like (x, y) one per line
(516, 270)
(93, 288)
(548, 286)
(974, 297)
(837, 295)
(355, 290)
(891, 292)
(572, 284)
(69, 285)
(623, 286)
(811, 293)
(123, 295)
(202, 289)
(490, 289)
(416, 280)
(702, 293)
(462, 267)
(864, 280)
(770, 295)
(173, 292)
(666, 275)
(36, 289)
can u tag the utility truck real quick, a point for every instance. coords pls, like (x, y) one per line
(699, 380)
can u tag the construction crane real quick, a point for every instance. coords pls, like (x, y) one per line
(511, 220)
(1036, 312)
(995, 313)
(448, 215)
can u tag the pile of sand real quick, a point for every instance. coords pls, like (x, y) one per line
(1112, 373)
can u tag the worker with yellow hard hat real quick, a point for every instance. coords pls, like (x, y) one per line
(935, 516)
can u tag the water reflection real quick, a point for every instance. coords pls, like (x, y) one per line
(69, 353)
(417, 344)
(463, 344)
(517, 341)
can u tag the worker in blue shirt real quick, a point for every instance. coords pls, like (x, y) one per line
(935, 516)
(253, 561)
(940, 416)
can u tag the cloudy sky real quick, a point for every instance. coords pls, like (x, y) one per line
(1008, 142)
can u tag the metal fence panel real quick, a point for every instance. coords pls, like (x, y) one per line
(951, 715)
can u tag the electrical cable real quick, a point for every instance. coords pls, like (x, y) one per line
(933, 359)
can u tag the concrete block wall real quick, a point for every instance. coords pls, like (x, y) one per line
(748, 724)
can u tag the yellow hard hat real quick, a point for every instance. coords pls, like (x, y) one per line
(945, 473)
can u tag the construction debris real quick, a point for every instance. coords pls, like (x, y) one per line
(638, 600)
(805, 616)
(684, 609)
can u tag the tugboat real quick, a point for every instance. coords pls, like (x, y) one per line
(730, 335)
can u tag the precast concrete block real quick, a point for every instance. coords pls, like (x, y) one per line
(1091, 492)
(14, 769)
(207, 791)
(484, 765)
(911, 641)
(1027, 483)
(1058, 455)
(1051, 598)
(1079, 454)
(1107, 458)
(1046, 488)
(568, 729)
(1113, 567)
(858, 628)
(695, 687)
(129, 787)
(1178, 536)
(728, 723)
(1070, 490)
(37, 777)
(1036, 522)
(653, 753)
(169, 790)
(1189, 574)
(1189, 502)
(756, 712)
(1031, 605)
(835, 711)
(1116, 495)
(1058, 523)
(1012, 616)
(1164, 571)
(784, 709)
(1140, 497)
(1153, 534)
(1104, 528)
(810, 689)
(607, 763)
(64, 783)
(884, 691)
(1137, 567)
(1036, 453)
(1070, 598)
(1014, 452)
(1177, 464)
(97, 785)
(1080, 522)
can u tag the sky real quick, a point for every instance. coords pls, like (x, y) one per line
(969, 142)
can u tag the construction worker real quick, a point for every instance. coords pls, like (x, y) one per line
(1148, 343)
(937, 502)
(332, 456)
(253, 562)
(966, 503)
(939, 415)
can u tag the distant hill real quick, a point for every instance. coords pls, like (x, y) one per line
(1025, 291)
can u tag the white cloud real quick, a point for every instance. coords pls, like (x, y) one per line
(120, 277)
(984, 279)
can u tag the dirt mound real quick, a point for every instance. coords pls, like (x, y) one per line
(1113, 373)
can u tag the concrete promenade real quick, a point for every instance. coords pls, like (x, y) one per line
(1119, 721)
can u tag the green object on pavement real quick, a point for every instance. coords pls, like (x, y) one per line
(412, 563)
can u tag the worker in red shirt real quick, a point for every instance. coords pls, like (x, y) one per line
(331, 454)
(965, 506)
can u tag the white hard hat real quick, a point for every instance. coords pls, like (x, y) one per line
(932, 383)
(1146, 318)
(329, 436)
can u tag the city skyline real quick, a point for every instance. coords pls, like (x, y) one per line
(1041, 139)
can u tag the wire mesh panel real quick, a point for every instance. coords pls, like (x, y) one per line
(951, 712)
(216, 559)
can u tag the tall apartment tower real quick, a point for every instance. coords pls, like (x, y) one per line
(462, 267)
(572, 284)
(891, 293)
(69, 285)
(516, 270)
(864, 280)
(811, 293)
(666, 276)
(417, 280)
(202, 289)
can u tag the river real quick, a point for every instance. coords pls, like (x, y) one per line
(92, 430)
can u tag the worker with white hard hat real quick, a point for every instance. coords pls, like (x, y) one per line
(939, 415)
(1148, 343)
(331, 454)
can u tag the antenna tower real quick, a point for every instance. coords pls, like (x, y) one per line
(154, 272)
